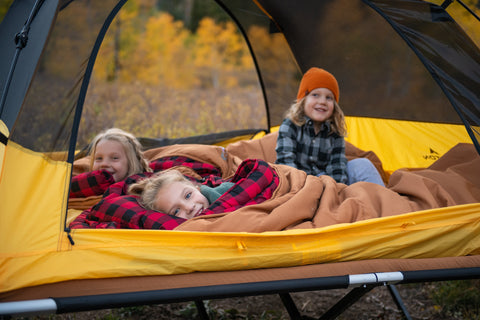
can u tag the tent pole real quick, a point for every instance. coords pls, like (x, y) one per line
(21, 40)
(255, 61)
(9, 80)
(446, 3)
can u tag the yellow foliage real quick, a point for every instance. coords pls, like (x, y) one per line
(163, 52)
(155, 78)
(219, 49)
(161, 57)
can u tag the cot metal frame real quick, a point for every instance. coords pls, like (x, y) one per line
(360, 285)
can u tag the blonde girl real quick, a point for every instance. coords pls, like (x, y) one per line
(172, 193)
(119, 153)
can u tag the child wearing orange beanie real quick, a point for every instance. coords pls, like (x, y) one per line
(311, 137)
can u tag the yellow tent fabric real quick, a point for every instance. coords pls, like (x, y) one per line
(426, 142)
(35, 250)
(390, 139)
(33, 198)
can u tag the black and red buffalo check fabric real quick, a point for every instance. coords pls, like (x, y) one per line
(255, 181)
(93, 183)
(96, 183)
(202, 169)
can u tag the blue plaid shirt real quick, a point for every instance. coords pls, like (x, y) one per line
(319, 154)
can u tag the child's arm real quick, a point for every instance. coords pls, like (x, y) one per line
(287, 143)
(337, 167)
(212, 194)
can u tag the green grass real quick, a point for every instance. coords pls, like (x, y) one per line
(458, 299)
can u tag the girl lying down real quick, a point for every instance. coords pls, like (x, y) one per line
(274, 197)
(138, 202)
(172, 193)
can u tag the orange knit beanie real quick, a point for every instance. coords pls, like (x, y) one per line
(318, 78)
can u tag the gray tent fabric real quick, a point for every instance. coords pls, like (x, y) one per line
(435, 37)
(31, 22)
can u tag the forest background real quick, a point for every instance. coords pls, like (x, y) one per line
(171, 69)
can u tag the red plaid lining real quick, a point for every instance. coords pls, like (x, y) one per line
(83, 222)
(203, 169)
(93, 183)
(121, 187)
(124, 212)
(117, 210)
(254, 180)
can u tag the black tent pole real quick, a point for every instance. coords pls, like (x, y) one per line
(9, 79)
(21, 40)
(82, 94)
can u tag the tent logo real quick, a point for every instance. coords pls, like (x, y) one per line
(433, 155)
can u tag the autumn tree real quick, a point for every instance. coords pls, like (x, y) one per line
(162, 56)
(155, 77)
(120, 43)
(219, 50)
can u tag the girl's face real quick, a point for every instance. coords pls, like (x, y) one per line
(181, 199)
(110, 155)
(319, 105)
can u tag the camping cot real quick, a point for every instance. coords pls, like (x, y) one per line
(47, 267)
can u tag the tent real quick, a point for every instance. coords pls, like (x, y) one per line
(45, 267)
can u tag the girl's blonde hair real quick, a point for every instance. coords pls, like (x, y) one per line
(148, 188)
(296, 113)
(137, 163)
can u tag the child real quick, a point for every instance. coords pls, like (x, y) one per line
(115, 155)
(119, 153)
(311, 137)
(172, 193)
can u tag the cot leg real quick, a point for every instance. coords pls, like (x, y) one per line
(398, 301)
(202, 312)
(290, 306)
(347, 301)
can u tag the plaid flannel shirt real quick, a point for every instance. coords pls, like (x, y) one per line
(316, 154)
